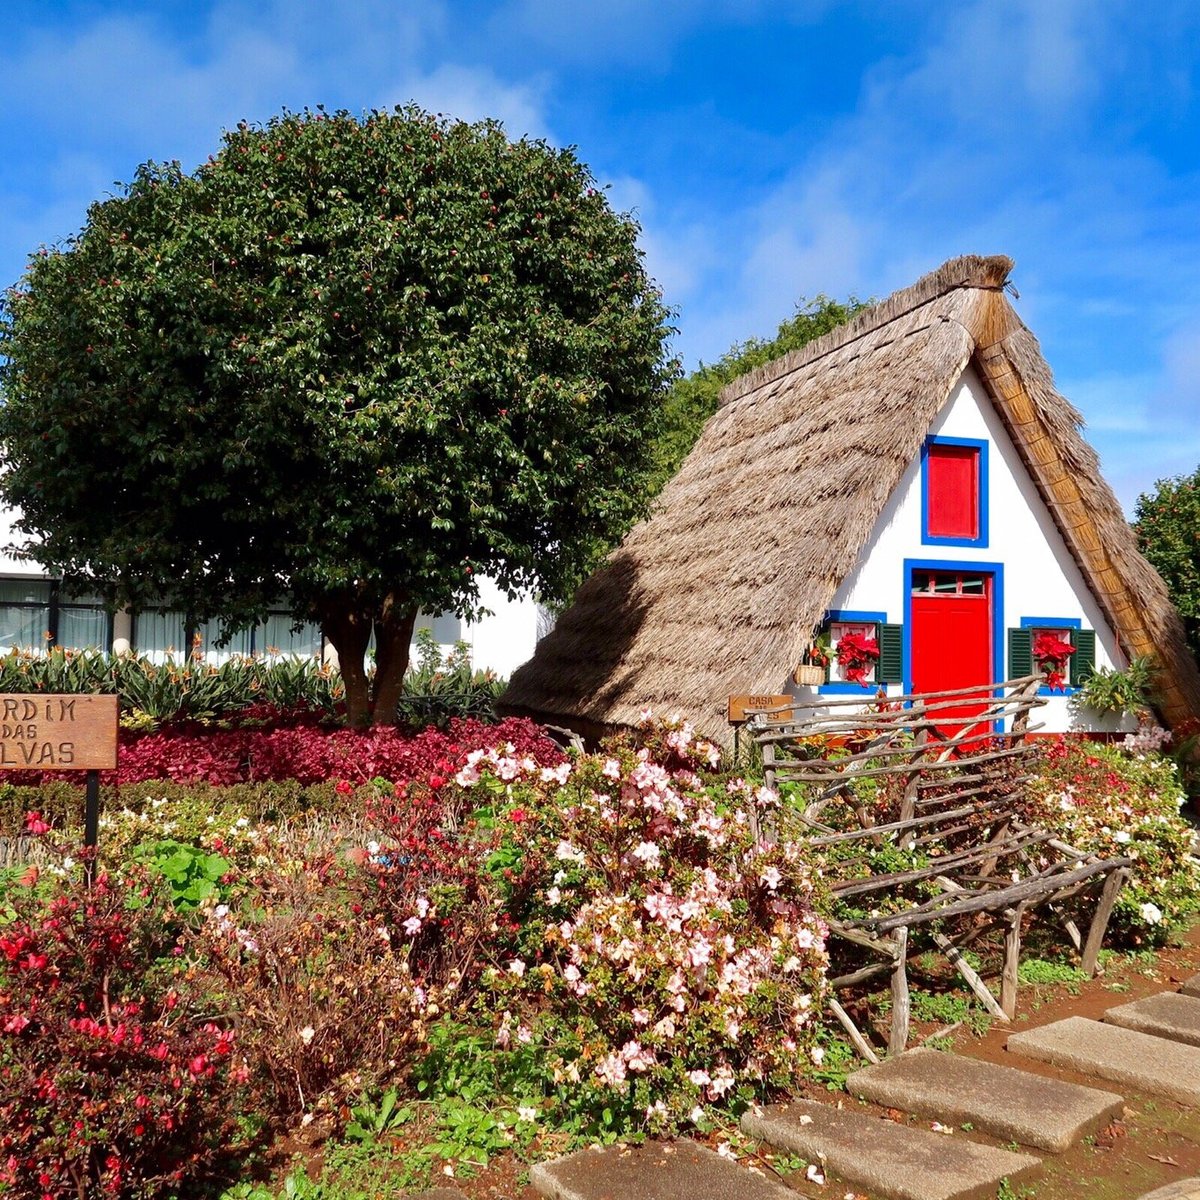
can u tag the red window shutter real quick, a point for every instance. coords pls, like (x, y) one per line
(952, 480)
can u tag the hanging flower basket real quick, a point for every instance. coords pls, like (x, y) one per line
(1052, 653)
(814, 663)
(809, 674)
(856, 655)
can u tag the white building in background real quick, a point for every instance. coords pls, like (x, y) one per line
(36, 612)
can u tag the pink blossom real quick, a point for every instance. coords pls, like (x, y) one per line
(648, 853)
(611, 769)
(612, 1070)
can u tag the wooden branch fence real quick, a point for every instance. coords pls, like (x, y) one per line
(953, 765)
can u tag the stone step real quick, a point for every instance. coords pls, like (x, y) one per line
(1009, 1105)
(1184, 1189)
(889, 1160)
(655, 1171)
(1137, 1060)
(1192, 987)
(1165, 1015)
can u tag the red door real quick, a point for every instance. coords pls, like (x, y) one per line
(951, 630)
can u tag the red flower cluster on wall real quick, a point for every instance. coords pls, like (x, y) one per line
(856, 655)
(1052, 653)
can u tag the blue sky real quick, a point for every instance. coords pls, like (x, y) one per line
(771, 149)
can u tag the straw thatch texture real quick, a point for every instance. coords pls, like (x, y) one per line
(719, 591)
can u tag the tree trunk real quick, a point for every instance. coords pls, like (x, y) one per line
(393, 636)
(349, 629)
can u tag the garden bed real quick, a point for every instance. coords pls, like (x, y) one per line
(476, 952)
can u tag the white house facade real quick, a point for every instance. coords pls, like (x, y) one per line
(949, 604)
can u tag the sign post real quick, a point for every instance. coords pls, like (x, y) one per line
(62, 733)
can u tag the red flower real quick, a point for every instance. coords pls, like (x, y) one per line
(1051, 654)
(35, 825)
(856, 656)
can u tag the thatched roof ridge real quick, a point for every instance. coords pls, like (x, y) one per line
(967, 271)
(719, 591)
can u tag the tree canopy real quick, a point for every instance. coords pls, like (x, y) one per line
(693, 399)
(350, 362)
(1167, 522)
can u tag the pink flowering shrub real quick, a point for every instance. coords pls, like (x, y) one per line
(653, 951)
(115, 1077)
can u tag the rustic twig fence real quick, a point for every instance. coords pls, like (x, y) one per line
(953, 764)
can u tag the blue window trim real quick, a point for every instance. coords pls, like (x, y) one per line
(1053, 623)
(981, 445)
(852, 616)
(994, 569)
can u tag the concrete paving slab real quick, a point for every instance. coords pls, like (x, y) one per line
(1192, 987)
(655, 1171)
(1138, 1060)
(889, 1160)
(1184, 1189)
(1010, 1105)
(1165, 1015)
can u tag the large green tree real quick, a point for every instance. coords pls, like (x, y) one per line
(1167, 522)
(355, 362)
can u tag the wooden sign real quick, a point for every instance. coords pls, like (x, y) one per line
(58, 733)
(739, 704)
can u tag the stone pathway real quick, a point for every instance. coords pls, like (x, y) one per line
(1150, 1046)
(1007, 1104)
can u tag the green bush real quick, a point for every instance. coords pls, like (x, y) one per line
(437, 689)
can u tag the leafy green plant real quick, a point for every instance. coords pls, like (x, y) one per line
(192, 874)
(440, 688)
(372, 1120)
(1107, 690)
(1040, 970)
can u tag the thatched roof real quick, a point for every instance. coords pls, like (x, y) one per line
(718, 592)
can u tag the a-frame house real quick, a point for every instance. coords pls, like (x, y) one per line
(912, 477)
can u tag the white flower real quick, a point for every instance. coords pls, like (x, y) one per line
(725, 1150)
(648, 853)
(307, 1034)
(527, 1112)
(412, 926)
(517, 967)
(1151, 913)
(818, 1054)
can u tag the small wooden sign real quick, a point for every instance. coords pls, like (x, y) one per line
(739, 704)
(58, 733)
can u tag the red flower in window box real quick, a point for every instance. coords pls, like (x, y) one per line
(856, 655)
(1052, 653)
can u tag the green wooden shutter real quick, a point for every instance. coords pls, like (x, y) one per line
(1020, 653)
(1083, 661)
(890, 668)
